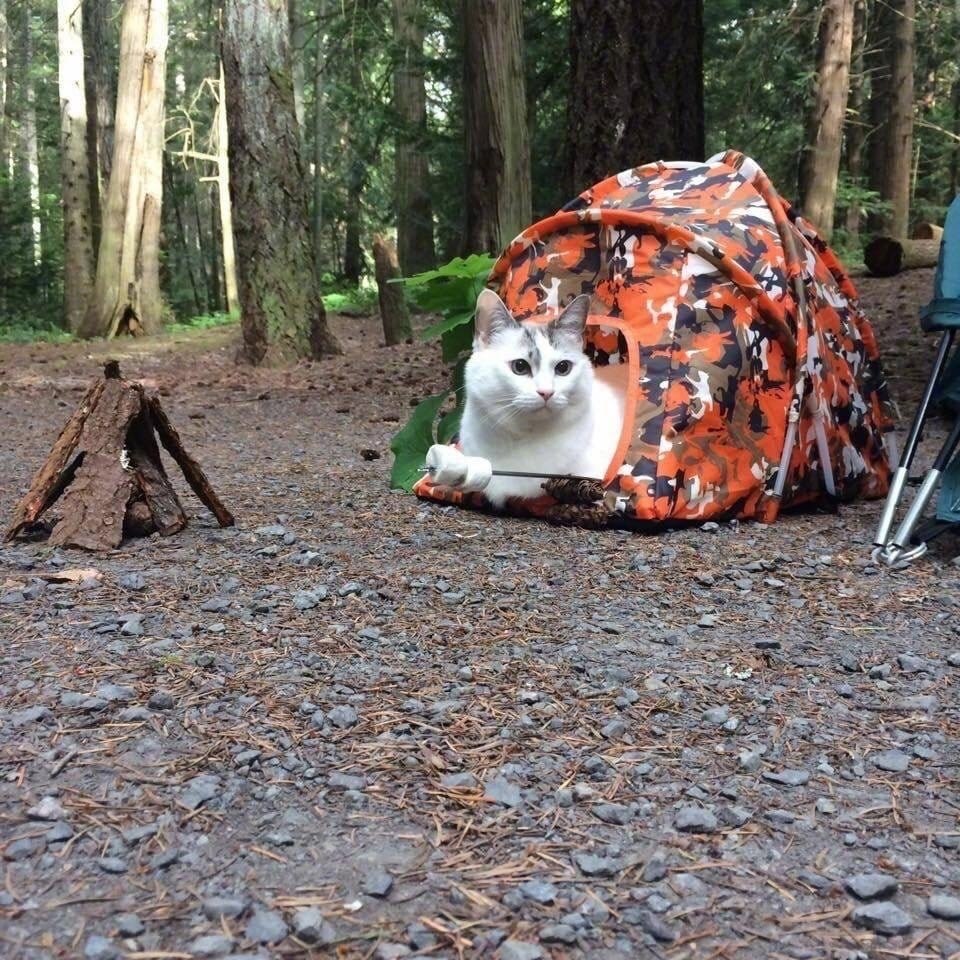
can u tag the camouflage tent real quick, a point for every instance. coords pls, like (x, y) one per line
(755, 380)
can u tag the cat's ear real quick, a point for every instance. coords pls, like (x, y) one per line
(493, 318)
(573, 321)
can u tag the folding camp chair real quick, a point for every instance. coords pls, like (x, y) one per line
(941, 314)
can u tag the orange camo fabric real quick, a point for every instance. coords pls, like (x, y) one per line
(756, 378)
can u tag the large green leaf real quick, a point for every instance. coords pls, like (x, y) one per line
(472, 266)
(456, 342)
(411, 444)
(454, 319)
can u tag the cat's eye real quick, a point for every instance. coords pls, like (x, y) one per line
(520, 367)
(563, 368)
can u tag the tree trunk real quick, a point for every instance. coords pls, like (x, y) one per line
(498, 200)
(636, 90)
(820, 163)
(127, 294)
(319, 138)
(282, 314)
(298, 42)
(29, 157)
(414, 205)
(856, 125)
(77, 236)
(891, 113)
(394, 314)
(98, 80)
(223, 201)
(4, 48)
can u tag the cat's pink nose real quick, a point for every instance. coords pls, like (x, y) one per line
(546, 394)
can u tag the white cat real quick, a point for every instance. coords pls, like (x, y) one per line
(533, 403)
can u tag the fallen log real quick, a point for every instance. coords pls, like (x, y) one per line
(106, 475)
(927, 231)
(887, 256)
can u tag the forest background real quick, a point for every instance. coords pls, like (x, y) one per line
(440, 128)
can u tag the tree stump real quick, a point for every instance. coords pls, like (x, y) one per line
(106, 467)
(393, 307)
(886, 256)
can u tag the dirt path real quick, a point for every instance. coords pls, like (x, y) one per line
(377, 726)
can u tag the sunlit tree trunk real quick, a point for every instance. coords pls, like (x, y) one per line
(29, 157)
(223, 200)
(319, 137)
(298, 42)
(282, 314)
(856, 128)
(77, 236)
(414, 206)
(498, 196)
(636, 92)
(98, 81)
(127, 293)
(4, 40)
(820, 162)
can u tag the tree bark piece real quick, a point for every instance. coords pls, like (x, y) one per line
(886, 256)
(393, 307)
(282, 315)
(498, 201)
(127, 291)
(191, 469)
(820, 162)
(636, 86)
(106, 464)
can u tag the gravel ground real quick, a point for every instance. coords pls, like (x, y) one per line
(360, 726)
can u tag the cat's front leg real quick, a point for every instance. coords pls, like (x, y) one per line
(448, 467)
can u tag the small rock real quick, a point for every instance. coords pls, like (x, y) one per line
(378, 884)
(717, 715)
(128, 924)
(519, 950)
(883, 917)
(266, 926)
(224, 906)
(31, 715)
(49, 808)
(615, 813)
(787, 778)
(343, 716)
(614, 729)
(825, 805)
(346, 781)
(165, 858)
(100, 948)
(502, 791)
(654, 871)
(943, 907)
(694, 820)
(592, 865)
(310, 926)
(459, 781)
(911, 664)
(894, 761)
(58, 832)
(23, 847)
(655, 926)
(211, 945)
(540, 891)
(750, 760)
(558, 933)
(134, 835)
(160, 700)
(871, 886)
(391, 951)
(199, 790)
(112, 864)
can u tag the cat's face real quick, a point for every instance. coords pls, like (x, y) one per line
(524, 372)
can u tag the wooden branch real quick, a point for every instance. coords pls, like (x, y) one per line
(191, 469)
(887, 256)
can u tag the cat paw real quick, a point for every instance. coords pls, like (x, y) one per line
(448, 467)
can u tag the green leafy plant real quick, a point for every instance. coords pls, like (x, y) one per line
(451, 291)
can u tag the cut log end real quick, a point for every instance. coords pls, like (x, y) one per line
(887, 256)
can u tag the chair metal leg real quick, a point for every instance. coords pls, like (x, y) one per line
(901, 475)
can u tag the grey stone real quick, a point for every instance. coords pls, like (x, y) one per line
(112, 864)
(943, 907)
(199, 790)
(100, 948)
(558, 933)
(502, 791)
(911, 664)
(310, 926)
(592, 865)
(520, 950)
(734, 816)
(378, 884)
(161, 700)
(787, 778)
(31, 715)
(225, 905)
(540, 891)
(459, 781)
(615, 813)
(717, 715)
(346, 781)
(134, 835)
(58, 832)
(266, 926)
(215, 605)
(23, 847)
(165, 858)
(391, 951)
(211, 945)
(128, 924)
(750, 760)
(49, 808)
(655, 926)
(654, 871)
(825, 805)
(614, 730)
(694, 820)
(115, 693)
(871, 886)
(894, 761)
(883, 917)
(343, 716)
